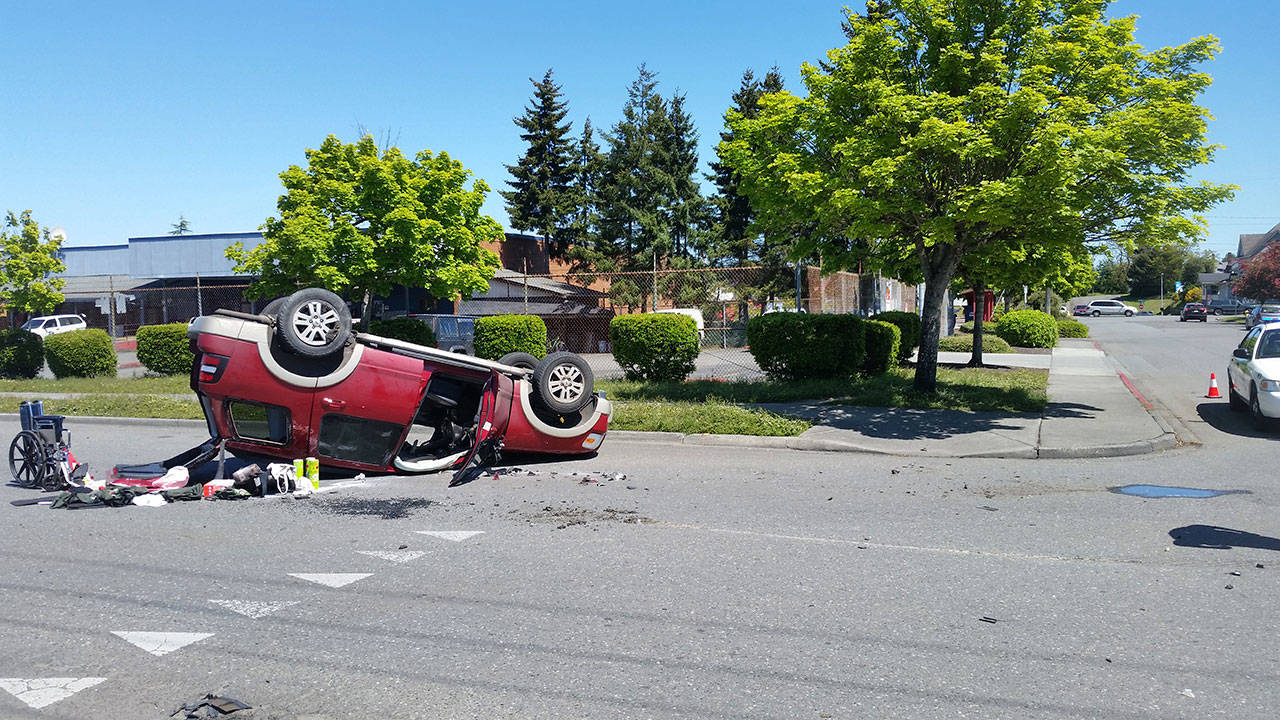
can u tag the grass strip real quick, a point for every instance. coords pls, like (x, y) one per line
(116, 405)
(152, 385)
(994, 389)
(714, 416)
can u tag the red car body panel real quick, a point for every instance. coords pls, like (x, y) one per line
(358, 412)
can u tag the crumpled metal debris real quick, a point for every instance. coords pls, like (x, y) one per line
(213, 705)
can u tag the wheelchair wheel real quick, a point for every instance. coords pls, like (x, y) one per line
(27, 460)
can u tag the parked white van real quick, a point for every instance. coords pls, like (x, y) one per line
(694, 313)
(46, 325)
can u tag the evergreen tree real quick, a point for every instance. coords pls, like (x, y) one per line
(589, 164)
(542, 196)
(731, 236)
(635, 189)
(686, 208)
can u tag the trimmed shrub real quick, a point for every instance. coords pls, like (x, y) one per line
(21, 353)
(1028, 328)
(908, 326)
(165, 349)
(498, 335)
(81, 353)
(882, 346)
(987, 327)
(964, 343)
(1070, 328)
(654, 346)
(404, 328)
(796, 346)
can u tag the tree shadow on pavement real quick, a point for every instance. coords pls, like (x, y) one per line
(1220, 417)
(1219, 538)
(908, 424)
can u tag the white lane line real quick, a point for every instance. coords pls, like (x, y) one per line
(395, 556)
(454, 535)
(333, 580)
(160, 643)
(255, 608)
(38, 692)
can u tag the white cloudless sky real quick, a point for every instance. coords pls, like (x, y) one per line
(117, 118)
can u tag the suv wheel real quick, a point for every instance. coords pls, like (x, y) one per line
(314, 322)
(1128, 313)
(1096, 313)
(563, 382)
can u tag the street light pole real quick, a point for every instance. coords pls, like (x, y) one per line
(1162, 293)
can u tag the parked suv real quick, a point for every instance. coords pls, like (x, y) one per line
(1233, 306)
(46, 325)
(455, 333)
(1105, 307)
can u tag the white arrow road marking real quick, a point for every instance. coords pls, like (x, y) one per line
(38, 692)
(395, 556)
(254, 608)
(454, 535)
(333, 580)
(160, 643)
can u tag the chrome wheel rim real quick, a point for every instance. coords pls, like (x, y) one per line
(315, 323)
(566, 383)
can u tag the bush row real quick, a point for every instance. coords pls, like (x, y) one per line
(790, 346)
(964, 343)
(499, 335)
(655, 346)
(81, 353)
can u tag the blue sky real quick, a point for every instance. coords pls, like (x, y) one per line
(119, 117)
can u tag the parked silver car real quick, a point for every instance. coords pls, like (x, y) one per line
(1109, 307)
(1267, 312)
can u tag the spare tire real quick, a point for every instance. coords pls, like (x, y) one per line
(563, 382)
(313, 322)
(521, 360)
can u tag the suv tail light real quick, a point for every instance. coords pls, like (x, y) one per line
(212, 366)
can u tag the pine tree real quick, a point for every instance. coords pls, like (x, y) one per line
(635, 190)
(686, 208)
(732, 239)
(588, 162)
(541, 198)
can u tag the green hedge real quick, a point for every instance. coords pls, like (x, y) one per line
(1028, 328)
(798, 346)
(987, 327)
(883, 340)
(1069, 328)
(964, 343)
(655, 346)
(81, 353)
(165, 349)
(21, 353)
(908, 326)
(498, 335)
(404, 328)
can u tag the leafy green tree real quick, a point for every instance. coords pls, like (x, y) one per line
(542, 196)
(358, 222)
(947, 127)
(1202, 262)
(28, 257)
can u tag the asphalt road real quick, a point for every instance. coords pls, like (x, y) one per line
(706, 583)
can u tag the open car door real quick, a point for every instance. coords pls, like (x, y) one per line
(491, 425)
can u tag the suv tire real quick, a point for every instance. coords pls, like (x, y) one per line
(563, 382)
(313, 322)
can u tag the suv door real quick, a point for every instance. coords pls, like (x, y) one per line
(363, 419)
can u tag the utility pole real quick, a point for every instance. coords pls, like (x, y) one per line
(1161, 293)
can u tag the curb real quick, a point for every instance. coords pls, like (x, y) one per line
(100, 420)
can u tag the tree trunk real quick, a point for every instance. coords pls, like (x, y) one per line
(979, 312)
(939, 267)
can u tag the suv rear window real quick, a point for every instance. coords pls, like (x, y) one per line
(264, 423)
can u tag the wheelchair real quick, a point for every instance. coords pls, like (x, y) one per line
(39, 456)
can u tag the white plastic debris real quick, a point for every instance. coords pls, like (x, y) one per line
(149, 500)
(177, 477)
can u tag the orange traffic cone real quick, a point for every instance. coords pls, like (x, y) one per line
(1213, 387)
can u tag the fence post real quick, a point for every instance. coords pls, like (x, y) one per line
(199, 297)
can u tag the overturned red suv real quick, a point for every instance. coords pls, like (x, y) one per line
(296, 381)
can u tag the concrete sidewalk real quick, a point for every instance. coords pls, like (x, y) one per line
(1091, 413)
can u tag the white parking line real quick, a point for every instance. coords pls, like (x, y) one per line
(255, 608)
(453, 535)
(39, 692)
(333, 580)
(159, 643)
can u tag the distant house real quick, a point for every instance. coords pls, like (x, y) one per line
(1218, 285)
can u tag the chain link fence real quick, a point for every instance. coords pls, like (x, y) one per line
(576, 307)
